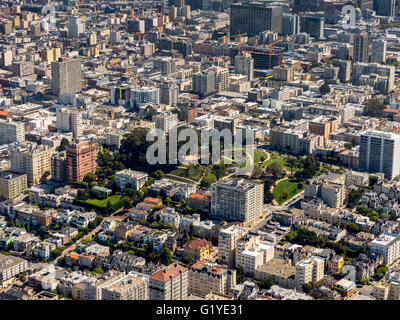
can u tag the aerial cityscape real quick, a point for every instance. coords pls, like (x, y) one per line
(200, 150)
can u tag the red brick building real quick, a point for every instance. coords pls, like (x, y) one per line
(80, 160)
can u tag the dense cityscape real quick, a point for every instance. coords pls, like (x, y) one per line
(294, 106)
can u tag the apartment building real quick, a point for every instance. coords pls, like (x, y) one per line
(330, 187)
(197, 250)
(380, 152)
(69, 120)
(309, 270)
(244, 64)
(207, 277)
(11, 131)
(12, 184)
(324, 126)
(237, 200)
(166, 121)
(387, 245)
(32, 159)
(93, 287)
(80, 160)
(128, 178)
(10, 267)
(66, 76)
(133, 286)
(170, 283)
(227, 240)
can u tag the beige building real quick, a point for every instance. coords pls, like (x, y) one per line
(93, 287)
(11, 131)
(69, 120)
(133, 286)
(50, 54)
(227, 241)
(66, 76)
(12, 185)
(309, 270)
(282, 271)
(10, 267)
(207, 277)
(237, 200)
(32, 159)
(170, 283)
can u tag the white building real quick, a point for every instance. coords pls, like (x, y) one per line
(387, 245)
(11, 131)
(309, 270)
(128, 178)
(380, 153)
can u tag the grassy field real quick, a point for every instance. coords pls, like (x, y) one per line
(103, 203)
(286, 189)
(194, 174)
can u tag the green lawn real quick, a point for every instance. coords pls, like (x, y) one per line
(286, 189)
(275, 157)
(194, 174)
(103, 203)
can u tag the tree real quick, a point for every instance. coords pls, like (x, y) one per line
(352, 227)
(90, 177)
(43, 179)
(166, 257)
(109, 207)
(275, 169)
(375, 108)
(307, 287)
(63, 145)
(98, 270)
(324, 89)
(158, 174)
(373, 180)
(127, 203)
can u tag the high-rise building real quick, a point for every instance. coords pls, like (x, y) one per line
(120, 94)
(361, 48)
(143, 96)
(244, 64)
(313, 24)
(115, 36)
(170, 283)
(385, 8)
(80, 160)
(166, 65)
(32, 159)
(66, 76)
(166, 121)
(188, 112)
(380, 153)
(12, 185)
(135, 25)
(169, 93)
(378, 50)
(387, 245)
(213, 79)
(290, 24)
(11, 131)
(70, 121)
(309, 270)
(227, 241)
(237, 200)
(75, 27)
(255, 17)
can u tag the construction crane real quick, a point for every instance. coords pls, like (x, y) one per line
(134, 76)
(270, 46)
(239, 35)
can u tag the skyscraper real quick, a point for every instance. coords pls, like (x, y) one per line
(255, 17)
(385, 8)
(66, 76)
(169, 93)
(380, 153)
(290, 24)
(75, 27)
(244, 64)
(378, 50)
(361, 48)
(313, 24)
